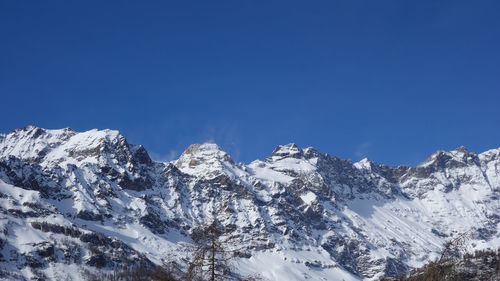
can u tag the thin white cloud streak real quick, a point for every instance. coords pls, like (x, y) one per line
(173, 154)
(362, 150)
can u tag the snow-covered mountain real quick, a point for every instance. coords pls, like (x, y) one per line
(72, 200)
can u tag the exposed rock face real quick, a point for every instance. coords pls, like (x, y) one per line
(91, 199)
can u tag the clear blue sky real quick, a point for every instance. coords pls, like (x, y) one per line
(389, 80)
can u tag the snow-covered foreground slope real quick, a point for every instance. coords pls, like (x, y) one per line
(71, 201)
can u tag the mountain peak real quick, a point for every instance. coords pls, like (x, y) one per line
(205, 151)
(29, 131)
(35, 131)
(206, 147)
(462, 149)
(203, 157)
(56, 146)
(454, 158)
(290, 149)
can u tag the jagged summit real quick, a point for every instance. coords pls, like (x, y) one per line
(462, 149)
(35, 141)
(364, 163)
(459, 156)
(64, 146)
(197, 154)
(206, 159)
(35, 131)
(290, 149)
(294, 151)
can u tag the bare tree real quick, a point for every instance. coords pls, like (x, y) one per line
(456, 247)
(211, 255)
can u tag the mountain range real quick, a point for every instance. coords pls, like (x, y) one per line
(73, 201)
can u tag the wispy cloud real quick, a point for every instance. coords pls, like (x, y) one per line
(362, 150)
(173, 154)
(226, 136)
